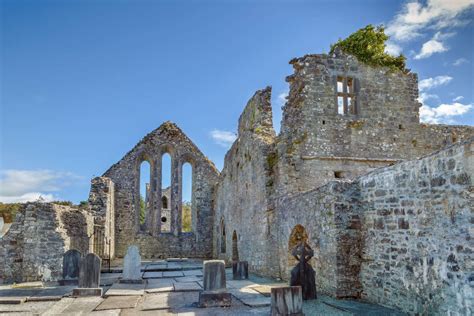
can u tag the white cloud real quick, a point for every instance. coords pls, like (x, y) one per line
(460, 61)
(458, 98)
(223, 138)
(282, 98)
(393, 49)
(426, 96)
(415, 17)
(434, 45)
(29, 185)
(443, 113)
(430, 83)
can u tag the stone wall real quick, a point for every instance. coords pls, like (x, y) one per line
(243, 203)
(125, 175)
(33, 247)
(316, 144)
(101, 203)
(418, 251)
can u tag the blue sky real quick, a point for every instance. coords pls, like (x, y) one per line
(83, 81)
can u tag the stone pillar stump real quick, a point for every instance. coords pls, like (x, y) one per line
(240, 270)
(287, 301)
(215, 291)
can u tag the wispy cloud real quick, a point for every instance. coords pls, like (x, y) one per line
(426, 96)
(430, 83)
(443, 113)
(282, 98)
(223, 138)
(460, 61)
(29, 185)
(434, 45)
(415, 17)
(393, 49)
(458, 98)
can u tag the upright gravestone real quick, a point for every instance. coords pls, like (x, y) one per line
(240, 270)
(89, 277)
(287, 301)
(71, 261)
(131, 266)
(215, 291)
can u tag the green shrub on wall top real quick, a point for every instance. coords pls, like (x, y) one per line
(368, 45)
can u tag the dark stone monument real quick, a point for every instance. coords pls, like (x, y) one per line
(303, 273)
(89, 277)
(215, 291)
(71, 260)
(287, 301)
(240, 270)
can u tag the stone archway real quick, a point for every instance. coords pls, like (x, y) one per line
(235, 247)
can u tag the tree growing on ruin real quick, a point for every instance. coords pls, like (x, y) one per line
(368, 45)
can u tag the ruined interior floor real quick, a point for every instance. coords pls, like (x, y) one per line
(172, 288)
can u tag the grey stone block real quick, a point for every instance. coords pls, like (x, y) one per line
(287, 301)
(240, 270)
(214, 275)
(215, 299)
(80, 292)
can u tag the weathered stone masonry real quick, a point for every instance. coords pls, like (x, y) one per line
(125, 175)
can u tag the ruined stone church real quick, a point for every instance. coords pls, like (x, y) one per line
(385, 201)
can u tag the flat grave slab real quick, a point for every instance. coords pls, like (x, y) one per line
(238, 284)
(82, 305)
(118, 302)
(197, 273)
(155, 267)
(109, 278)
(174, 266)
(169, 300)
(109, 312)
(266, 289)
(125, 289)
(59, 306)
(35, 308)
(172, 274)
(152, 275)
(251, 297)
(159, 286)
(187, 286)
(188, 279)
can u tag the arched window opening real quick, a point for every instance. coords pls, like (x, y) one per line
(187, 207)
(235, 249)
(166, 202)
(298, 234)
(144, 193)
(223, 250)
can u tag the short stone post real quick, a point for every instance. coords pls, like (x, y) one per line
(287, 301)
(89, 277)
(132, 266)
(240, 270)
(215, 291)
(71, 260)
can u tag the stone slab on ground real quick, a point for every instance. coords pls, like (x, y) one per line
(125, 289)
(197, 273)
(59, 306)
(266, 289)
(156, 267)
(219, 298)
(159, 285)
(12, 300)
(172, 274)
(169, 300)
(43, 298)
(238, 284)
(109, 312)
(118, 302)
(174, 266)
(35, 308)
(109, 278)
(250, 297)
(188, 279)
(187, 286)
(81, 292)
(82, 305)
(152, 275)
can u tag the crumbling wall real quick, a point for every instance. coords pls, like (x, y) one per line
(125, 175)
(243, 195)
(101, 203)
(331, 219)
(418, 253)
(316, 144)
(32, 249)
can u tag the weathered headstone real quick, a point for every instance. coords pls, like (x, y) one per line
(287, 301)
(215, 291)
(131, 266)
(89, 277)
(71, 261)
(240, 270)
